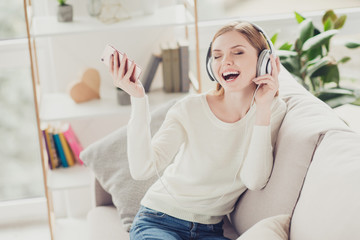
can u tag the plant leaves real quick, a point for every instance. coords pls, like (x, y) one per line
(291, 64)
(306, 30)
(312, 70)
(309, 63)
(286, 53)
(335, 97)
(352, 44)
(332, 74)
(339, 23)
(318, 40)
(285, 46)
(328, 25)
(298, 45)
(344, 60)
(314, 53)
(356, 102)
(299, 17)
(274, 38)
(329, 14)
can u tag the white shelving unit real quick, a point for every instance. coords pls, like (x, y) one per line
(48, 26)
(73, 177)
(58, 106)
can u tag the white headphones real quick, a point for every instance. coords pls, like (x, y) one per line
(263, 65)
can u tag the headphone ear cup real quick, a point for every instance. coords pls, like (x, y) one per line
(263, 65)
(208, 65)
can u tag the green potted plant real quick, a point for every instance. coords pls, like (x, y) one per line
(64, 12)
(309, 60)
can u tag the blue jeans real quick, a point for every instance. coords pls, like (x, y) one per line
(151, 224)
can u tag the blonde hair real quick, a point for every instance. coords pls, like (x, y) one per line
(253, 36)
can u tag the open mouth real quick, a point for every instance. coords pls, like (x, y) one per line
(229, 76)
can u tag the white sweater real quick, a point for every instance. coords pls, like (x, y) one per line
(202, 156)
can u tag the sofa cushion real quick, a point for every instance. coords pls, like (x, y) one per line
(272, 228)
(329, 204)
(107, 158)
(306, 119)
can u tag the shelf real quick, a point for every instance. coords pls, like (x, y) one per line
(60, 107)
(176, 15)
(76, 176)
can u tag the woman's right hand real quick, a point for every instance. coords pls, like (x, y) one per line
(125, 79)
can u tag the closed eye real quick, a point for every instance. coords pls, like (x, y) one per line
(239, 53)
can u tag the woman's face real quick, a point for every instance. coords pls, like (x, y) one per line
(234, 61)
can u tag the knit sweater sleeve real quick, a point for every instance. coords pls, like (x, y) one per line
(258, 163)
(144, 151)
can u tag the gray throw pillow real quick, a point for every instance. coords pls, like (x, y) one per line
(107, 158)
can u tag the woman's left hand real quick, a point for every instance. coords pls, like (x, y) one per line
(269, 84)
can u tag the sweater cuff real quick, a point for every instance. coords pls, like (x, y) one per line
(139, 107)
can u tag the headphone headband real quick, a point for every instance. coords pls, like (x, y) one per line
(271, 46)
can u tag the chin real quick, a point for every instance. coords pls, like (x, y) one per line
(238, 86)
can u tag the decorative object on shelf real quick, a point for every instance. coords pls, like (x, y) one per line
(309, 61)
(113, 11)
(88, 88)
(94, 7)
(123, 97)
(64, 12)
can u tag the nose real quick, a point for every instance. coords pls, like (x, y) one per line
(227, 59)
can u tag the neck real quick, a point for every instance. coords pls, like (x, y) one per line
(238, 103)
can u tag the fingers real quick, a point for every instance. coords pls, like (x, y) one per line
(267, 79)
(278, 63)
(116, 63)
(123, 68)
(111, 64)
(130, 73)
(274, 66)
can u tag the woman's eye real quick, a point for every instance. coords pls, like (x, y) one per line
(238, 53)
(216, 57)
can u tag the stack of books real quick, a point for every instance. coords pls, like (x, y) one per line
(175, 67)
(62, 146)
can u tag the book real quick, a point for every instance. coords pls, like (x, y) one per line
(73, 142)
(60, 150)
(53, 159)
(67, 152)
(175, 66)
(184, 65)
(150, 70)
(47, 148)
(166, 66)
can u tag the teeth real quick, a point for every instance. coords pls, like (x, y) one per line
(229, 73)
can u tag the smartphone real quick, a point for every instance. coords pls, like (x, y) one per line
(109, 50)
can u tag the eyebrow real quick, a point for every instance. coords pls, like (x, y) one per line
(239, 45)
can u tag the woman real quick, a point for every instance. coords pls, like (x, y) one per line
(211, 146)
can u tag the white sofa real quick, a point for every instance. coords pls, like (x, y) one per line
(315, 179)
